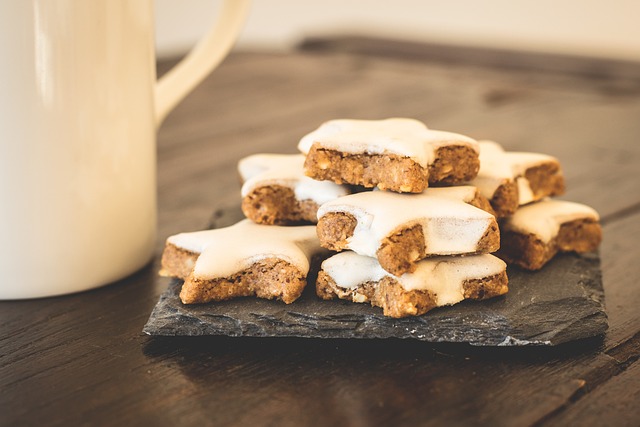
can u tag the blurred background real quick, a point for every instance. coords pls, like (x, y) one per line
(594, 28)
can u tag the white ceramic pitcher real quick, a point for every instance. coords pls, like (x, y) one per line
(79, 110)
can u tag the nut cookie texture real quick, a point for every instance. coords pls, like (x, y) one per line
(245, 259)
(538, 231)
(510, 179)
(275, 190)
(401, 229)
(436, 282)
(396, 154)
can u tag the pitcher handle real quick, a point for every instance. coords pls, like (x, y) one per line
(204, 57)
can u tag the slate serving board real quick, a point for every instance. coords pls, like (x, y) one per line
(562, 302)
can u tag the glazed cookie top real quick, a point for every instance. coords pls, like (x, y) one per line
(544, 218)
(442, 276)
(260, 170)
(498, 167)
(451, 226)
(400, 136)
(225, 251)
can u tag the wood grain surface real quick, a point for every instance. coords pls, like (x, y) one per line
(82, 359)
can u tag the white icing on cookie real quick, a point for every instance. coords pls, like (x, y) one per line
(400, 136)
(450, 225)
(442, 276)
(261, 170)
(544, 218)
(494, 169)
(226, 251)
(525, 192)
(498, 167)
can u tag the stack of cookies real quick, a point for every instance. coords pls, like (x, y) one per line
(534, 227)
(422, 238)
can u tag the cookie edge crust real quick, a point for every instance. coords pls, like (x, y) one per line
(177, 262)
(545, 179)
(505, 199)
(269, 278)
(278, 205)
(392, 172)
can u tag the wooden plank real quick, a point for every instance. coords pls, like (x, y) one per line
(615, 403)
(378, 383)
(621, 272)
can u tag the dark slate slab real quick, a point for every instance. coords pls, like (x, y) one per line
(562, 302)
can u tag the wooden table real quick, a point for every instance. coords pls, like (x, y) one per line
(82, 359)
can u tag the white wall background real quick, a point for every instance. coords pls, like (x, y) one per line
(602, 28)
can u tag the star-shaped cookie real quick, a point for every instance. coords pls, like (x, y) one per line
(536, 232)
(436, 282)
(401, 229)
(244, 259)
(396, 154)
(276, 190)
